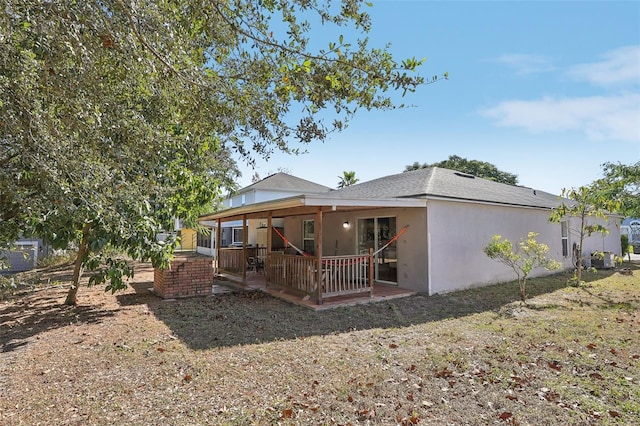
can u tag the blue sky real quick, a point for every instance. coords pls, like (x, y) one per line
(547, 90)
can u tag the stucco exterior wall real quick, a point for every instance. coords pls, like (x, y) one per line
(459, 231)
(597, 242)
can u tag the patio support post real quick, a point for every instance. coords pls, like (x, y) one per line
(370, 277)
(245, 232)
(269, 244)
(217, 246)
(318, 235)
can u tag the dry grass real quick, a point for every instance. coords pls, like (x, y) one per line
(476, 357)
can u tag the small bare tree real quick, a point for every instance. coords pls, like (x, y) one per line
(527, 256)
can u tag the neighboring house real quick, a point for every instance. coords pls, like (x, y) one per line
(23, 255)
(276, 186)
(631, 227)
(450, 216)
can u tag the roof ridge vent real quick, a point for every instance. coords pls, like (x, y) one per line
(464, 175)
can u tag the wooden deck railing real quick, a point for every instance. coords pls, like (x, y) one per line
(230, 260)
(341, 275)
(346, 275)
(295, 273)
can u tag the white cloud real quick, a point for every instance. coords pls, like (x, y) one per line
(620, 66)
(615, 118)
(526, 64)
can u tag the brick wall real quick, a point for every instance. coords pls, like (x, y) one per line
(189, 276)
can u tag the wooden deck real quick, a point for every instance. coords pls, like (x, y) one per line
(256, 281)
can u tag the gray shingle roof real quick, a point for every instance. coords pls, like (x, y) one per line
(445, 183)
(285, 182)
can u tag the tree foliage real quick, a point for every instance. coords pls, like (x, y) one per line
(591, 206)
(621, 185)
(476, 168)
(523, 259)
(347, 179)
(119, 115)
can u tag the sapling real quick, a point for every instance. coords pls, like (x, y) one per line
(523, 259)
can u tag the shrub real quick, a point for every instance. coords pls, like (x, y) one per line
(624, 243)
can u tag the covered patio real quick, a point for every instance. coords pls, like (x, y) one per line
(310, 279)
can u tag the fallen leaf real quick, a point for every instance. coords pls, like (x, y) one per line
(187, 378)
(287, 413)
(596, 414)
(592, 346)
(444, 373)
(555, 365)
(393, 346)
(505, 415)
(161, 349)
(613, 413)
(596, 376)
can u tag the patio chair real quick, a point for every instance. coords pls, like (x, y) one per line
(259, 265)
(251, 264)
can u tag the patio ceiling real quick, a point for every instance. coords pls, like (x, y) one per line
(307, 204)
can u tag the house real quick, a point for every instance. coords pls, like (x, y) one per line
(631, 227)
(275, 186)
(423, 231)
(23, 255)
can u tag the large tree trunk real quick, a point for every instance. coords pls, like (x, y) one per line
(77, 269)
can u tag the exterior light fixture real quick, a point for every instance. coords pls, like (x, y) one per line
(346, 224)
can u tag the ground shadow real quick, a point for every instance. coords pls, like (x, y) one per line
(248, 317)
(38, 306)
(40, 312)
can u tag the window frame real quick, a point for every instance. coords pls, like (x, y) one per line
(309, 238)
(564, 237)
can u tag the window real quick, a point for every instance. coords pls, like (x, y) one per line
(564, 229)
(238, 235)
(204, 240)
(308, 236)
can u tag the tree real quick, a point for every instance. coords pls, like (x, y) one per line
(473, 167)
(527, 256)
(118, 116)
(589, 205)
(347, 179)
(621, 184)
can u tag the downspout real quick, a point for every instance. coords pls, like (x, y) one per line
(428, 248)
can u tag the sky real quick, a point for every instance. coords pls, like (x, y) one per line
(546, 90)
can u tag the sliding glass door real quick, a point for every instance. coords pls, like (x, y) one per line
(375, 233)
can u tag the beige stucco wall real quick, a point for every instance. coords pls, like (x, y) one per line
(459, 231)
(597, 241)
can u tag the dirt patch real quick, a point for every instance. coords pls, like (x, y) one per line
(477, 357)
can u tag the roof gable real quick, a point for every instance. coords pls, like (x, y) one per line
(286, 182)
